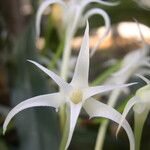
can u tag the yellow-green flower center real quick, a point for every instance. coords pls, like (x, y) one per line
(76, 96)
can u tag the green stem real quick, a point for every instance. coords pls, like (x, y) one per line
(64, 74)
(57, 55)
(66, 57)
(101, 135)
(65, 131)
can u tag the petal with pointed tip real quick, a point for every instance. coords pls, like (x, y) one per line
(97, 109)
(74, 113)
(81, 73)
(40, 11)
(102, 13)
(62, 84)
(91, 91)
(53, 100)
(128, 106)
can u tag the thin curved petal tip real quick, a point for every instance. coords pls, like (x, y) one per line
(101, 12)
(127, 108)
(97, 109)
(40, 12)
(74, 113)
(50, 100)
(60, 82)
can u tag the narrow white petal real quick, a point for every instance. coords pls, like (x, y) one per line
(62, 84)
(74, 113)
(53, 100)
(91, 91)
(86, 2)
(127, 108)
(102, 13)
(40, 11)
(97, 109)
(81, 73)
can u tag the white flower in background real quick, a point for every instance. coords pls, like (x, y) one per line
(75, 95)
(135, 62)
(141, 106)
(74, 15)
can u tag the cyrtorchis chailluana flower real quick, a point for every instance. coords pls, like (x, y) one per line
(75, 95)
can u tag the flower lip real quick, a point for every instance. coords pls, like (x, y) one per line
(76, 96)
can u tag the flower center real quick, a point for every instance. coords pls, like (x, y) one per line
(76, 96)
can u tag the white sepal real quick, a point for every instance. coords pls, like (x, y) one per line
(97, 109)
(91, 91)
(81, 73)
(53, 100)
(61, 83)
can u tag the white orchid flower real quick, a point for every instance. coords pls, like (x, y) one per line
(73, 16)
(76, 94)
(141, 106)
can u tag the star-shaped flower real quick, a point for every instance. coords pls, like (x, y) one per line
(76, 94)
